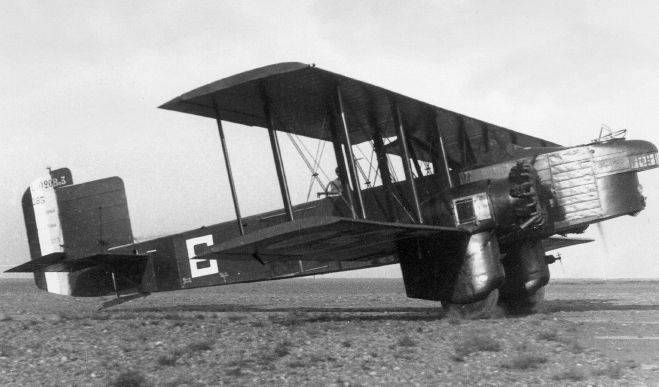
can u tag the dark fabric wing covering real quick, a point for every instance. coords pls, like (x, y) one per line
(303, 99)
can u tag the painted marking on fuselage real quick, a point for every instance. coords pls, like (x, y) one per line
(46, 214)
(58, 282)
(210, 266)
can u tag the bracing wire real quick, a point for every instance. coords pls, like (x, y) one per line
(309, 154)
(314, 175)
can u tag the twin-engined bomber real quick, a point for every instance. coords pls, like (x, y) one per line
(470, 218)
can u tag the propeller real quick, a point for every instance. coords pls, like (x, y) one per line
(560, 260)
(605, 246)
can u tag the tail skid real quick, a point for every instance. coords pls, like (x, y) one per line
(123, 299)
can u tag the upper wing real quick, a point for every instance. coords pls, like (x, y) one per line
(326, 238)
(302, 100)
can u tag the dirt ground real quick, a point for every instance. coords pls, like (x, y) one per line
(327, 332)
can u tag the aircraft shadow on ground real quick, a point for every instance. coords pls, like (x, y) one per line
(307, 314)
(587, 305)
(385, 313)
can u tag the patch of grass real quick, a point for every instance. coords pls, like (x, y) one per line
(573, 374)
(172, 316)
(143, 335)
(314, 332)
(6, 350)
(452, 320)
(316, 358)
(127, 347)
(570, 341)
(631, 364)
(169, 358)
(475, 343)
(199, 346)
(551, 335)
(576, 347)
(180, 380)
(613, 371)
(297, 364)
(235, 372)
(130, 378)
(525, 361)
(178, 324)
(282, 349)
(406, 341)
(257, 324)
(294, 318)
(111, 364)
(126, 316)
(235, 317)
(323, 317)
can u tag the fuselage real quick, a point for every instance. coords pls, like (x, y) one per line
(586, 184)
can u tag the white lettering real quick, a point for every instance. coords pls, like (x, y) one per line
(200, 267)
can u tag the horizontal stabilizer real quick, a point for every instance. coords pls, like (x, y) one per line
(59, 262)
(554, 243)
(326, 238)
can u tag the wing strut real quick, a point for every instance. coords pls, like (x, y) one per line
(354, 178)
(385, 175)
(406, 163)
(443, 150)
(276, 152)
(236, 207)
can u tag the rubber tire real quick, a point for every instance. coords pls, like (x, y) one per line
(483, 309)
(519, 306)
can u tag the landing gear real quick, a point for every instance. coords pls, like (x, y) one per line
(521, 304)
(527, 274)
(483, 309)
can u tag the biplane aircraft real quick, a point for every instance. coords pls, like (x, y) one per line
(466, 208)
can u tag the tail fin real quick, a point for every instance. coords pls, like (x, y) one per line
(40, 211)
(77, 219)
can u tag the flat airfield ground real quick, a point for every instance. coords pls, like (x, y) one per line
(327, 332)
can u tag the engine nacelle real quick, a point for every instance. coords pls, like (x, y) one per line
(512, 206)
(586, 184)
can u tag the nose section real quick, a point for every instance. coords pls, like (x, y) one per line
(640, 146)
(620, 156)
(642, 154)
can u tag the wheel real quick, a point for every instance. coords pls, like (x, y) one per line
(517, 305)
(483, 309)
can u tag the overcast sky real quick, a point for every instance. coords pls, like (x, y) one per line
(81, 81)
